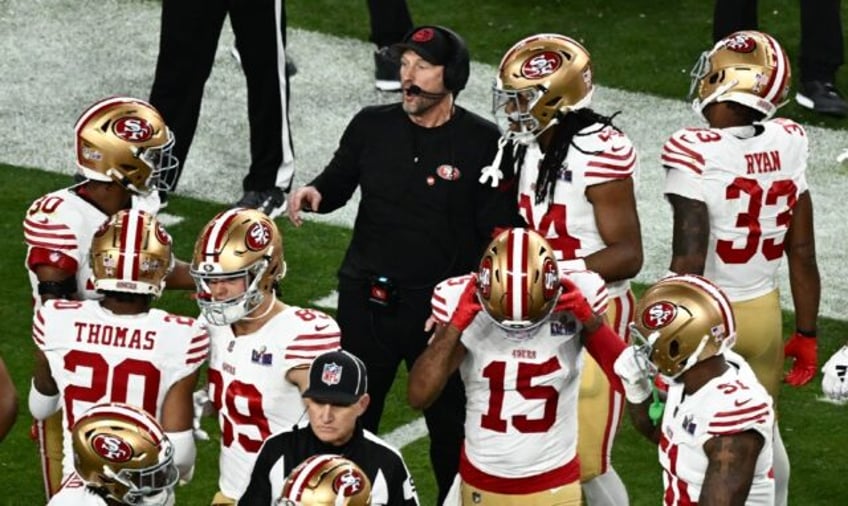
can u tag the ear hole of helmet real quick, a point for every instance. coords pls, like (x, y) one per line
(674, 349)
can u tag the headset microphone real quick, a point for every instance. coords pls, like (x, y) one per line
(416, 90)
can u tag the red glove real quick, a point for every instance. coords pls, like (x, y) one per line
(573, 300)
(468, 306)
(805, 352)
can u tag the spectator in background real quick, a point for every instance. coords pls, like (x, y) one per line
(187, 44)
(335, 400)
(423, 217)
(8, 401)
(821, 51)
(390, 21)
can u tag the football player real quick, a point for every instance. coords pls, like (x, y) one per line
(576, 174)
(740, 199)
(121, 456)
(261, 348)
(123, 152)
(118, 348)
(715, 434)
(516, 330)
(326, 480)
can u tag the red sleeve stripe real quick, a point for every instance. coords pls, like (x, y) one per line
(194, 360)
(44, 227)
(32, 235)
(440, 312)
(620, 167)
(204, 349)
(744, 411)
(675, 146)
(738, 421)
(630, 153)
(199, 337)
(309, 347)
(682, 164)
(737, 428)
(306, 337)
(36, 337)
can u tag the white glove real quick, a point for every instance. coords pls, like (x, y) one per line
(835, 381)
(202, 406)
(635, 376)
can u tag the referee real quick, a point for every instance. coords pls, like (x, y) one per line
(336, 398)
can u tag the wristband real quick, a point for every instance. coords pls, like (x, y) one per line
(806, 333)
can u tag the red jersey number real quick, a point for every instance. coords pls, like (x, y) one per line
(232, 417)
(118, 378)
(495, 372)
(750, 220)
(552, 225)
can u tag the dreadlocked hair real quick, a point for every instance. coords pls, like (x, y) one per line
(568, 126)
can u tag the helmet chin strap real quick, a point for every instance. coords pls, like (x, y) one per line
(264, 313)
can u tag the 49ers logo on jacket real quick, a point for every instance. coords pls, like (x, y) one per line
(258, 236)
(448, 172)
(349, 483)
(112, 448)
(659, 315)
(541, 65)
(740, 43)
(133, 129)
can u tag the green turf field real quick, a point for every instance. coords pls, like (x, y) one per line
(644, 46)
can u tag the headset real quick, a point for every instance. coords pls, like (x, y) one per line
(457, 68)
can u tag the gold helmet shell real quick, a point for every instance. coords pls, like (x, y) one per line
(684, 320)
(125, 140)
(327, 480)
(122, 450)
(518, 280)
(538, 77)
(237, 243)
(746, 67)
(131, 252)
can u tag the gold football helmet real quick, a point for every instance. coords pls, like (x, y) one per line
(518, 281)
(125, 140)
(131, 252)
(747, 67)
(237, 243)
(682, 320)
(538, 77)
(327, 480)
(122, 450)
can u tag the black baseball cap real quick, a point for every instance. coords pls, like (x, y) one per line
(337, 377)
(429, 42)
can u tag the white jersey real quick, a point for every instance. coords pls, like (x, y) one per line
(568, 222)
(58, 228)
(521, 389)
(75, 493)
(750, 185)
(248, 386)
(729, 404)
(97, 356)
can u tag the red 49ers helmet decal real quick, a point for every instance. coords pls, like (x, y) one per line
(659, 315)
(112, 447)
(541, 65)
(258, 236)
(133, 129)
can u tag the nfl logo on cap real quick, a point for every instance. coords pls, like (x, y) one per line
(332, 374)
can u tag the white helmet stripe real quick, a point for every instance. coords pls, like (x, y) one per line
(780, 70)
(306, 474)
(127, 413)
(517, 273)
(215, 234)
(718, 295)
(131, 245)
